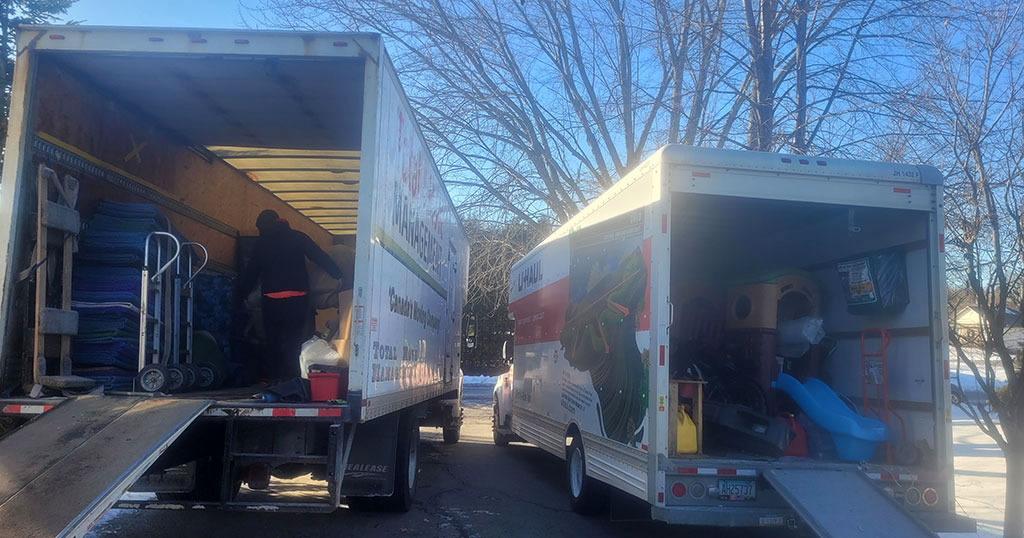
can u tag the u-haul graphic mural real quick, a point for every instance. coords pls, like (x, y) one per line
(414, 312)
(582, 329)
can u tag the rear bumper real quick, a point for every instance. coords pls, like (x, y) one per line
(717, 516)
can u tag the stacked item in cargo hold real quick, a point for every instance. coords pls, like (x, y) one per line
(105, 293)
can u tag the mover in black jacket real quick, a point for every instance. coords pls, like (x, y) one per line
(278, 263)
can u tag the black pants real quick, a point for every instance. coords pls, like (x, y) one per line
(286, 323)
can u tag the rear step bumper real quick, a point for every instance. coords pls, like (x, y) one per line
(718, 516)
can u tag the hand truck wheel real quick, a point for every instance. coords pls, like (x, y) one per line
(208, 377)
(175, 378)
(152, 378)
(191, 376)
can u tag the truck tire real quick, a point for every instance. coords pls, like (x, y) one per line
(405, 467)
(586, 496)
(451, 435)
(500, 439)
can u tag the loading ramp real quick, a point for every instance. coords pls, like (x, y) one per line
(844, 504)
(60, 472)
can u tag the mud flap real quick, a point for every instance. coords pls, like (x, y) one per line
(844, 504)
(64, 469)
(370, 471)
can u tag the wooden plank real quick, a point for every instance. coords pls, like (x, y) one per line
(340, 212)
(39, 338)
(305, 175)
(65, 303)
(30, 450)
(277, 187)
(322, 198)
(74, 490)
(335, 220)
(225, 152)
(348, 164)
(315, 205)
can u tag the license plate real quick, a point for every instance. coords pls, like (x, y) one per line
(737, 490)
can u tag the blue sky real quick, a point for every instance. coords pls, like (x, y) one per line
(180, 13)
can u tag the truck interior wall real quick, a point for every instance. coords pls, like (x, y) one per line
(724, 241)
(71, 109)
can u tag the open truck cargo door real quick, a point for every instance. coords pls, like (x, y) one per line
(62, 471)
(844, 504)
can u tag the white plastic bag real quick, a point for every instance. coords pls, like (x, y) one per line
(316, 350)
(796, 336)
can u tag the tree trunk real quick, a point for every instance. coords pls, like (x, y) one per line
(1013, 515)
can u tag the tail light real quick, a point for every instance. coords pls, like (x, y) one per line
(678, 489)
(930, 496)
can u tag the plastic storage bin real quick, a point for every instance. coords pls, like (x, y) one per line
(324, 386)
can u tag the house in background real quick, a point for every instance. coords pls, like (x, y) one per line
(968, 326)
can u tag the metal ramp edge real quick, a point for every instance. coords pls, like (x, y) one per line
(844, 504)
(60, 472)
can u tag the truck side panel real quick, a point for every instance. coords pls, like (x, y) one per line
(582, 338)
(412, 310)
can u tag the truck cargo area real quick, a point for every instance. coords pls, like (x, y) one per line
(745, 271)
(208, 143)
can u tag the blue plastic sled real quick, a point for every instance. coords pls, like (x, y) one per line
(855, 436)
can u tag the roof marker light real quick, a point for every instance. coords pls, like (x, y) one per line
(198, 40)
(804, 161)
(787, 160)
(241, 41)
(822, 163)
(56, 36)
(156, 39)
(341, 43)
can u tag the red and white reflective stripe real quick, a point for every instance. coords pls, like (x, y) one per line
(273, 412)
(712, 471)
(12, 409)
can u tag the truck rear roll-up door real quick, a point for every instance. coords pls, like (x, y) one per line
(844, 504)
(60, 472)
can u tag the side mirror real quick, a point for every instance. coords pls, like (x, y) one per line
(471, 331)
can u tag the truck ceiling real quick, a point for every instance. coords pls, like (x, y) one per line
(293, 124)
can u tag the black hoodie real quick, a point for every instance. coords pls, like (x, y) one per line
(278, 261)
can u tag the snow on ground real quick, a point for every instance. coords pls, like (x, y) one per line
(979, 475)
(479, 380)
(966, 377)
(979, 466)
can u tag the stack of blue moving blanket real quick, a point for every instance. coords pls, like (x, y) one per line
(106, 287)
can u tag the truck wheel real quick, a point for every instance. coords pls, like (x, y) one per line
(586, 495)
(500, 439)
(451, 435)
(405, 468)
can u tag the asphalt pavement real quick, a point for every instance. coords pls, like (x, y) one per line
(471, 489)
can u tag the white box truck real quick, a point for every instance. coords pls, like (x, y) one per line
(654, 347)
(208, 128)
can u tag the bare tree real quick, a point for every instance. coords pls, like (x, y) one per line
(969, 108)
(536, 106)
(495, 247)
